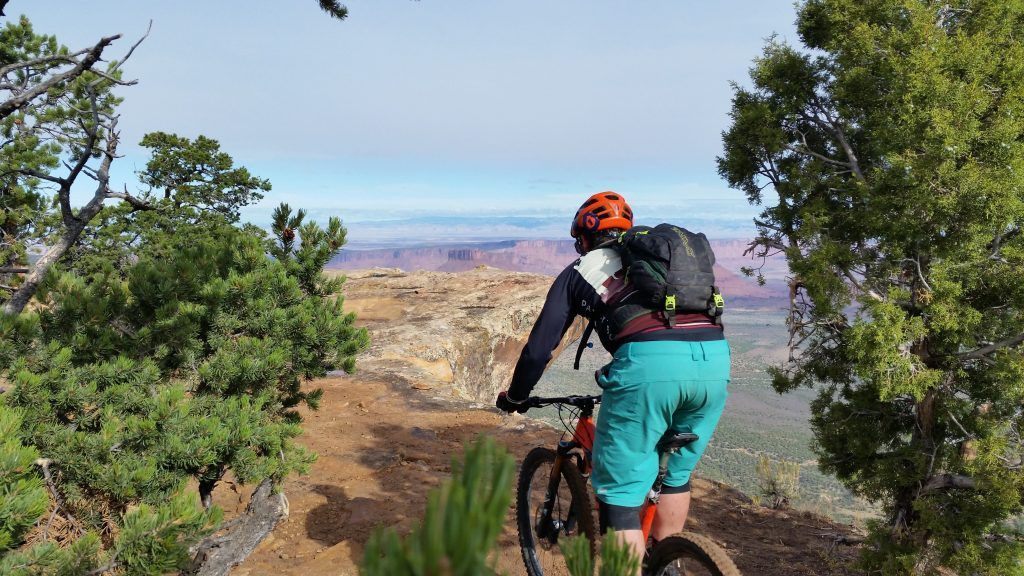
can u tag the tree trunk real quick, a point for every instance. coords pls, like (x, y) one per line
(31, 282)
(206, 492)
(229, 547)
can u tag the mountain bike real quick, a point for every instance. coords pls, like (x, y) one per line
(553, 502)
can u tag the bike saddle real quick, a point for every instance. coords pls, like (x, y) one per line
(673, 440)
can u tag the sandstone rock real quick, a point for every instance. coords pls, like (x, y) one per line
(457, 331)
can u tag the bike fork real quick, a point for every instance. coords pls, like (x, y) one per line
(546, 527)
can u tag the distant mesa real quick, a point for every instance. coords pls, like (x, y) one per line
(551, 256)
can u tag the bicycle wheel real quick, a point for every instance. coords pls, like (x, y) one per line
(689, 554)
(571, 513)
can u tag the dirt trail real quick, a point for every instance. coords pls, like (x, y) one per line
(381, 450)
(386, 436)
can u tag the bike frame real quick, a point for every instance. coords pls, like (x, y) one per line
(583, 441)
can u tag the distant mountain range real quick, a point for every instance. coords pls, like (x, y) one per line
(551, 256)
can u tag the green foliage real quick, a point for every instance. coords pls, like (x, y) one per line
(25, 498)
(778, 482)
(190, 366)
(463, 520)
(191, 184)
(153, 539)
(316, 248)
(197, 175)
(617, 558)
(894, 151)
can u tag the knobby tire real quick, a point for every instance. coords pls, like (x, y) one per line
(580, 507)
(687, 545)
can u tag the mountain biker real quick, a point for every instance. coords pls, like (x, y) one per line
(660, 377)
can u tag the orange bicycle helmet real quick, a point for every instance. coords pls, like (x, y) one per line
(602, 211)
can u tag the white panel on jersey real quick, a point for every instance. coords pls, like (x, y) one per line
(599, 266)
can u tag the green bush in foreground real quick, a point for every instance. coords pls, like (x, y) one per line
(617, 559)
(189, 366)
(463, 520)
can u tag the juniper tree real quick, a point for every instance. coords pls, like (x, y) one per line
(889, 157)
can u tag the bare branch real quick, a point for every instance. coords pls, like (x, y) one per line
(979, 353)
(36, 174)
(837, 131)
(109, 75)
(920, 274)
(822, 157)
(13, 270)
(56, 58)
(861, 287)
(72, 232)
(44, 464)
(942, 482)
(134, 201)
(113, 80)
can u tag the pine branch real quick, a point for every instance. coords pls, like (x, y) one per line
(334, 8)
(86, 63)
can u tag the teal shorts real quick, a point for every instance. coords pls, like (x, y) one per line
(649, 388)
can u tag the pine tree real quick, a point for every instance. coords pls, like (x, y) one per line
(189, 185)
(207, 348)
(889, 157)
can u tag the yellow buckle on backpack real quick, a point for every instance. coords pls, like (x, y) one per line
(670, 302)
(719, 301)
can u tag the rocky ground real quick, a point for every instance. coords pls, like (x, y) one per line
(387, 435)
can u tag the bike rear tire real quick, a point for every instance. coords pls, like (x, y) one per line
(577, 515)
(690, 549)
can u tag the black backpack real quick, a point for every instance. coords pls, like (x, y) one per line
(668, 269)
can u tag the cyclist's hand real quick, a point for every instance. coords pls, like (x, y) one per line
(506, 405)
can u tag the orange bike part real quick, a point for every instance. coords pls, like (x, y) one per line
(647, 514)
(584, 434)
(602, 211)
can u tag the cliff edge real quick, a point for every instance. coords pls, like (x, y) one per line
(455, 333)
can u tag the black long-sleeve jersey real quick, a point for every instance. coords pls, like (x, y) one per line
(585, 288)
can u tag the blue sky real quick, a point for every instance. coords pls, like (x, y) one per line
(468, 108)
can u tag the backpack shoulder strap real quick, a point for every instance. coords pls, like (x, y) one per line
(584, 344)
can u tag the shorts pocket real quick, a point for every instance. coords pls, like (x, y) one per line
(621, 403)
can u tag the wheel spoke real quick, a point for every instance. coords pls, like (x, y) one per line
(542, 536)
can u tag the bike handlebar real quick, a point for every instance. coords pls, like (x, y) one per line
(578, 401)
